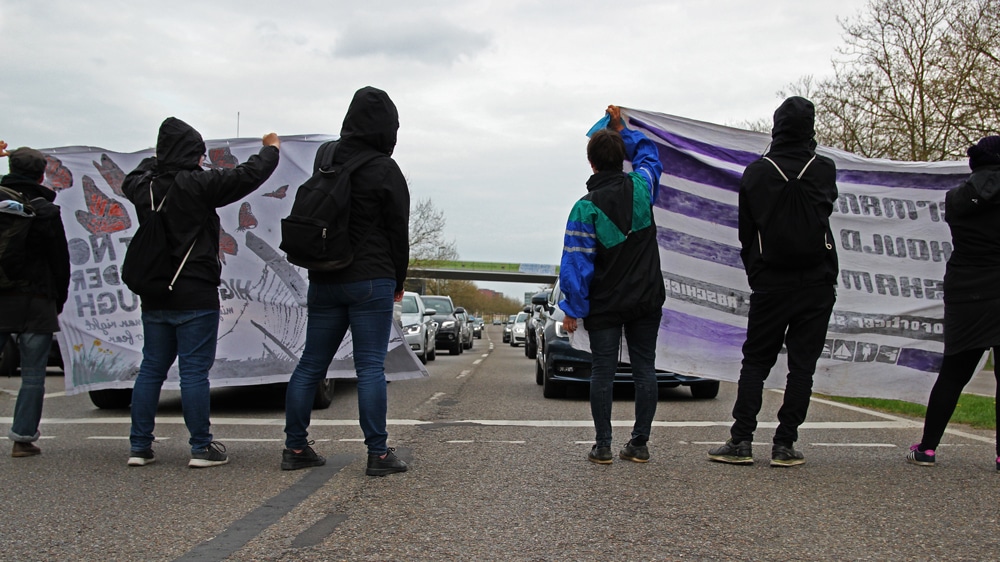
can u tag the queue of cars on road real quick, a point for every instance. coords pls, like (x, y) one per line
(558, 364)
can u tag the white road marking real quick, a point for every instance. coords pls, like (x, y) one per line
(477, 361)
(486, 355)
(463, 374)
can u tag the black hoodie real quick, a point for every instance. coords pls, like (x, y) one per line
(380, 199)
(972, 211)
(34, 307)
(792, 146)
(192, 195)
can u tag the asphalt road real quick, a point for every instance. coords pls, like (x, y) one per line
(497, 473)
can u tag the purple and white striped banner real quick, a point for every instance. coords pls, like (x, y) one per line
(886, 334)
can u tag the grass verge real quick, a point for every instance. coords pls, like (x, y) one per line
(974, 410)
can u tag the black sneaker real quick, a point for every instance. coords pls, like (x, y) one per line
(918, 457)
(600, 455)
(786, 456)
(732, 453)
(141, 458)
(634, 453)
(290, 460)
(213, 455)
(385, 465)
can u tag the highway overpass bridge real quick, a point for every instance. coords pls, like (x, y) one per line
(484, 271)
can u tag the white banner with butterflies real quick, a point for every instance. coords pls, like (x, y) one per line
(263, 297)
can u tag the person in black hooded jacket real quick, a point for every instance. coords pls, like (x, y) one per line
(360, 296)
(185, 323)
(788, 305)
(30, 307)
(971, 300)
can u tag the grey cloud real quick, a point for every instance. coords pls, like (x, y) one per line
(431, 42)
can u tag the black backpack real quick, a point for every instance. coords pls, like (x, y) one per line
(148, 270)
(316, 234)
(794, 235)
(16, 216)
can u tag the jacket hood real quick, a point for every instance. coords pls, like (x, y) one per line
(986, 181)
(372, 119)
(178, 146)
(794, 122)
(28, 187)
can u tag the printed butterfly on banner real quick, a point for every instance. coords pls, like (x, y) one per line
(227, 245)
(57, 176)
(104, 215)
(222, 157)
(111, 174)
(278, 193)
(247, 220)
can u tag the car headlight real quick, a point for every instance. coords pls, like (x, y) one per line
(448, 324)
(413, 329)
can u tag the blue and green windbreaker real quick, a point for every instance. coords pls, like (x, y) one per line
(610, 268)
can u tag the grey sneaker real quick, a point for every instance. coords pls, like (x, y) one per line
(786, 456)
(732, 453)
(213, 455)
(634, 453)
(141, 458)
(600, 455)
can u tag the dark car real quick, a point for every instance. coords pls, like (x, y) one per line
(451, 323)
(558, 364)
(530, 341)
(508, 326)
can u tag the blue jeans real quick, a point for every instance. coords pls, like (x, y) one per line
(28, 408)
(640, 334)
(365, 307)
(190, 337)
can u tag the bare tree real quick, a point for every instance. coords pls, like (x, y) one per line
(427, 242)
(915, 80)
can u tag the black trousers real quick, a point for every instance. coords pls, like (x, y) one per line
(799, 319)
(956, 372)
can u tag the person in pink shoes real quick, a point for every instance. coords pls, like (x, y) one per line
(971, 298)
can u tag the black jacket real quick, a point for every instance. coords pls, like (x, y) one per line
(192, 195)
(627, 282)
(34, 308)
(792, 146)
(380, 198)
(972, 211)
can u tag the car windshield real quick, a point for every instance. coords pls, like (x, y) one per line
(410, 305)
(522, 317)
(442, 306)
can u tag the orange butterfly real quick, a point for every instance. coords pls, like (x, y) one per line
(227, 245)
(222, 158)
(57, 176)
(111, 174)
(104, 215)
(278, 193)
(247, 220)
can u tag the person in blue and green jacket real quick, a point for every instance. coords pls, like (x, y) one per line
(610, 277)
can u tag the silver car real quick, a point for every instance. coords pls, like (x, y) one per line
(517, 331)
(419, 327)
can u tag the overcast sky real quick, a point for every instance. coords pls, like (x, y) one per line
(494, 97)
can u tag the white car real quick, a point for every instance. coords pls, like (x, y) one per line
(517, 331)
(419, 328)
